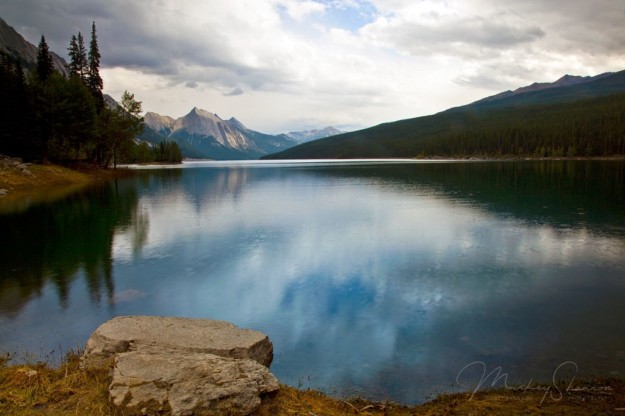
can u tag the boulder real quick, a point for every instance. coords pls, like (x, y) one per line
(186, 366)
(189, 383)
(160, 334)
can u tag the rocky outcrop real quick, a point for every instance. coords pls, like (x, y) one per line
(155, 334)
(189, 383)
(161, 124)
(208, 136)
(186, 365)
(12, 164)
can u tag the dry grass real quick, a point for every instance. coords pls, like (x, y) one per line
(290, 401)
(37, 389)
(42, 176)
(47, 183)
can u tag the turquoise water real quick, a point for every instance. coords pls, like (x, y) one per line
(383, 279)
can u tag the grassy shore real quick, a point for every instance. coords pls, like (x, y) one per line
(37, 389)
(22, 185)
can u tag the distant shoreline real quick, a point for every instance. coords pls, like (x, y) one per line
(15, 182)
(521, 158)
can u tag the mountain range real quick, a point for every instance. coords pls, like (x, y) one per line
(565, 81)
(574, 116)
(204, 135)
(200, 134)
(310, 135)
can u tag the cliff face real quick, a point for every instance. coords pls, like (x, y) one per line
(204, 124)
(211, 137)
(161, 124)
(14, 44)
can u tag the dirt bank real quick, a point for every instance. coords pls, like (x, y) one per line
(22, 184)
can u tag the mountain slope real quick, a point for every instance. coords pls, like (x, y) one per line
(565, 81)
(583, 118)
(310, 135)
(202, 134)
(598, 86)
(14, 44)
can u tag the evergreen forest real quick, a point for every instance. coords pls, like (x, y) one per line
(64, 118)
(582, 121)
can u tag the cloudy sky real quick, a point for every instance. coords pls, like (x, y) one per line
(280, 65)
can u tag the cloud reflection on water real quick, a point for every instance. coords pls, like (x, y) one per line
(371, 283)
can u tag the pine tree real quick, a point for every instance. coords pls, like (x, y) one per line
(94, 80)
(45, 66)
(82, 57)
(77, 57)
(72, 66)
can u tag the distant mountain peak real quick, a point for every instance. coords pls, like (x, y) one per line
(310, 135)
(214, 137)
(236, 123)
(160, 124)
(200, 112)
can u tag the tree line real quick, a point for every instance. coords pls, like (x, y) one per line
(589, 127)
(52, 117)
(570, 127)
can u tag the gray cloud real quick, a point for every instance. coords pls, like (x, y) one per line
(234, 92)
(403, 63)
(473, 36)
(141, 35)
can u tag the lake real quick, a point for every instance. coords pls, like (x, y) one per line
(386, 279)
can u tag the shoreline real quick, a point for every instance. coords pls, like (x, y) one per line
(25, 184)
(18, 179)
(67, 390)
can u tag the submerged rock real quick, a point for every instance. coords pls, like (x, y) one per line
(186, 365)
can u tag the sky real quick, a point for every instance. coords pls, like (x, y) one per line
(284, 65)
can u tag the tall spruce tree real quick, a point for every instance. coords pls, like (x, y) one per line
(72, 66)
(82, 54)
(78, 65)
(95, 83)
(45, 66)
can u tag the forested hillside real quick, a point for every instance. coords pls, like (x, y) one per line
(46, 115)
(580, 120)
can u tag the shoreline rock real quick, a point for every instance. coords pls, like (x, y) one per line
(154, 333)
(186, 365)
(189, 382)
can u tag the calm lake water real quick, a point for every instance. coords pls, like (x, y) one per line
(394, 280)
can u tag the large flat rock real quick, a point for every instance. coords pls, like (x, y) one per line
(182, 366)
(189, 383)
(159, 335)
